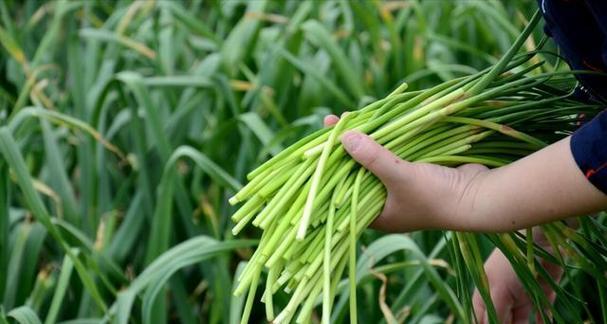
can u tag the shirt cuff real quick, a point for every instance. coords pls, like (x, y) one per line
(589, 149)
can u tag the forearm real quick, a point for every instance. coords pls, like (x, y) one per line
(540, 188)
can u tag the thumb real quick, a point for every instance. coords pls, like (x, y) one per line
(373, 157)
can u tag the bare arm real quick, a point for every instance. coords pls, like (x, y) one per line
(540, 188)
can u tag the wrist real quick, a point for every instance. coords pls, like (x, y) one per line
(470, 210)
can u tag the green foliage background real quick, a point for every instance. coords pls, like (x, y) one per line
(127, 125)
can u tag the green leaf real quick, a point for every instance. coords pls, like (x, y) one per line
(387, 245)
(319, 35)
(261, 130)
(241, 37)
(207, 165)
(125, 239)
(11, 153)
(237, 302)
(15, 264)
(24, 315)
(158, 272)
(4, 226)
(58, 177)
(325, 82)
(60, 290)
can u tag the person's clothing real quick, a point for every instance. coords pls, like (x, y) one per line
(579, 28)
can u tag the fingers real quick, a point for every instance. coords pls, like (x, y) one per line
(520, 314)
(479, 307)
(374, 157)
(512, 304)
(330, 120)
(501, 301)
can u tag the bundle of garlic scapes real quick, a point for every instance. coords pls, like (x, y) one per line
(313, 201)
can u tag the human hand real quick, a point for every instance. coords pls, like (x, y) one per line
(419, 195)
(542, 187)
(512, 304)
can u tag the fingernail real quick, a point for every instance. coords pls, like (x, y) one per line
(351, 141)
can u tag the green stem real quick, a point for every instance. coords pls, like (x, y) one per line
(503, 62)
(307, 212)
(352, 258)
(326, 302)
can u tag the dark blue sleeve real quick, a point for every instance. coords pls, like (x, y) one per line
(589, 148)
(579, 28)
